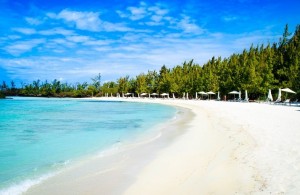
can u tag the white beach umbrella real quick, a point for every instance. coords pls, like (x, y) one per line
(288, 90)
(270, 97)
(234, 93)
(246, 96)
(210, 93)
(164, 94)
(279, 95)
(143, 94)
(202, 93)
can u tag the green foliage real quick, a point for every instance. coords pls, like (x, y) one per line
(2, 95)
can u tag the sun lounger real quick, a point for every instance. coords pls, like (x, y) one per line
(287, 102)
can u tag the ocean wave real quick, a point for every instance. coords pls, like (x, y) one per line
(21, 187)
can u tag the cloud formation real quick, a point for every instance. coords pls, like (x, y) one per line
(77, 42)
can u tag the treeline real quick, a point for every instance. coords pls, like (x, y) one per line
(257, 69)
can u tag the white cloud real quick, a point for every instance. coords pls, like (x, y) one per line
(229, 18)
(83, 20)
(89, 21)
(33, 21)
(158, 11)
(78, 39)
(137, 13)
(56, 31)
(20, 47)
(26, 31)
(189, 26)
(113, 27)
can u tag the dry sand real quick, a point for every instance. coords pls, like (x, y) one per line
(213, 148)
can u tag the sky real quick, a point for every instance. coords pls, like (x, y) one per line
(74, 40)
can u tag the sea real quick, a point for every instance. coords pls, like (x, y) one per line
(41, 136)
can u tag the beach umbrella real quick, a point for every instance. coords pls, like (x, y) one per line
(202, 93)
(288, 90)
(246, 96)
(154, 94)
(234, 93)
(143, 94)
(270, 97)
(164, 95)
(210, 93)
(279, 95)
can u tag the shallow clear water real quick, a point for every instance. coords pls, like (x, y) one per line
(40, 135)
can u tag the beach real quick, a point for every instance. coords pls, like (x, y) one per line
(210, 148)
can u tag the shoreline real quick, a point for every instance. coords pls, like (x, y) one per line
(114, 162)
(226, 148)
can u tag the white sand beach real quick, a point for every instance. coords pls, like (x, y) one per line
(211, 148)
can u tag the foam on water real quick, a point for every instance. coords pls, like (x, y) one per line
(40, 136)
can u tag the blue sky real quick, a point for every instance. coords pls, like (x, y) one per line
(75, 40)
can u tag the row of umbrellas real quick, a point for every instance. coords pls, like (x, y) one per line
(144, 94)
(270, 97)
(287, 90)
(232, 92)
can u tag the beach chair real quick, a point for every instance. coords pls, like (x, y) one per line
(278, 101)
(287, 102)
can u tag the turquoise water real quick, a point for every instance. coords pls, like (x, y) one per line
(41, 135)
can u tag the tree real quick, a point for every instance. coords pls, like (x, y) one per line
(97, 82)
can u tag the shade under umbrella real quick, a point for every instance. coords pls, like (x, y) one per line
(234, 93)
(202, 93)
(210, 93)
